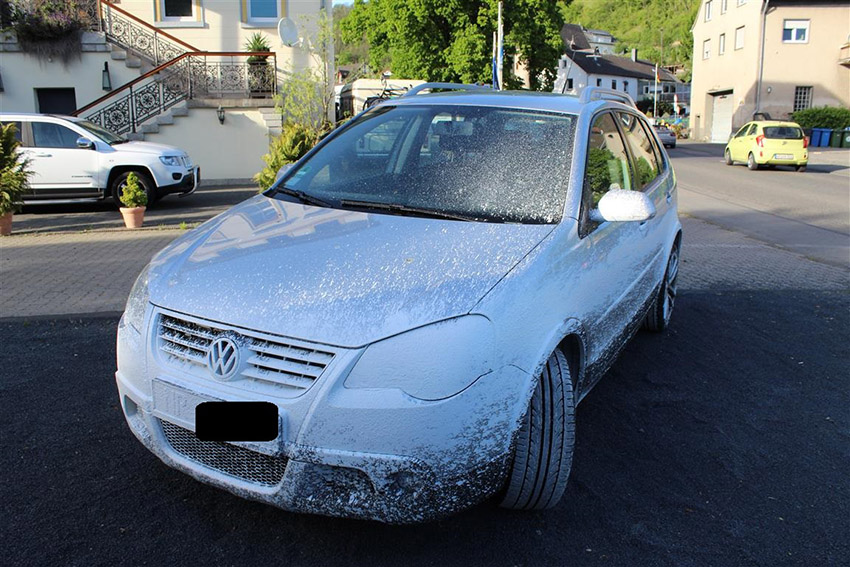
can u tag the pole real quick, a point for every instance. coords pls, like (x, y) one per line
(655, 98)
(494, 62)
(500, 54)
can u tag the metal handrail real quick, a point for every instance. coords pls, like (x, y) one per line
(144, 24)
(159, 69)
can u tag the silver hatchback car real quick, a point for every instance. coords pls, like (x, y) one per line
(404, 324)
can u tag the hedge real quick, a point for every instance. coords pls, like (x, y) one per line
(831, 117)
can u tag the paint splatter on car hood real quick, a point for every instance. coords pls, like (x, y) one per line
(333, 276)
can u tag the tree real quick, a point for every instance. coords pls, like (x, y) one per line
(452, 40)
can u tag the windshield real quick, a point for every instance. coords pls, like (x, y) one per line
(463, 162)
(783, 132)
(100, 132)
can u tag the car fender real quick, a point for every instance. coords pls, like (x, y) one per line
(554, 339)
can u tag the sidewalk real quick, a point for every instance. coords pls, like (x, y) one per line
(86, 273)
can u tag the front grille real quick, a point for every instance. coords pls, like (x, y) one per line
(288, 368)
(229, 459)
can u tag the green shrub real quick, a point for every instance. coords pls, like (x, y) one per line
(295, 141)
(133, 195)
(832, 117)
(257, 42)
(14, 171)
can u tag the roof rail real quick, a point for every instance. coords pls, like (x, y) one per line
(598, 93)
(445, 86)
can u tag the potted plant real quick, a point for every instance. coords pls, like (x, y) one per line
(134, 200)
(14, 176)
(259, 77)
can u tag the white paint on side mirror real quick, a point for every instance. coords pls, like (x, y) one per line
(619, 205)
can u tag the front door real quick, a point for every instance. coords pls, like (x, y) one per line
(61, 169)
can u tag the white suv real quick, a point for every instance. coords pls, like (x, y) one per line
(74, 159)
(404, 323)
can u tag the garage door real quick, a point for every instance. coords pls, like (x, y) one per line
(721, 117)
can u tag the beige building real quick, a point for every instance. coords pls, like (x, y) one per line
(141, 73)
(769, 56)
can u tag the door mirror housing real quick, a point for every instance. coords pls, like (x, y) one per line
(84, 143)
(618, 205)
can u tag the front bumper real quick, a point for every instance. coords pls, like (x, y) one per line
(360, 453)
(186, 185)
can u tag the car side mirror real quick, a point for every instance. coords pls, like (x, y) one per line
(282, 171)
(84, 143)
(618, 205)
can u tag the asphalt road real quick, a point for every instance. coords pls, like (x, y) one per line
(808, 213)
(722, 442)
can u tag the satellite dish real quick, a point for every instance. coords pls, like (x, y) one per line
(287, 32)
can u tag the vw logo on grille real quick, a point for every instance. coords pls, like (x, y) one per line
(223, 358)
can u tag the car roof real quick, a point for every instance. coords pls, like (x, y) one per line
(22, 115)
(526, 100)
(774, 123)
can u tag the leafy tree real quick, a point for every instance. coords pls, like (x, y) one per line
(452, 40)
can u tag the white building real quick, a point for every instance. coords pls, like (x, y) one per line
(161, 87)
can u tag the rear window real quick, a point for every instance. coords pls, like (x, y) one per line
(783, 132)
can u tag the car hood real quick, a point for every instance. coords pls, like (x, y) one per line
(149, 148)
(332, 276)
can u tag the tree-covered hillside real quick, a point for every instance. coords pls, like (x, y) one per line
(641, 24)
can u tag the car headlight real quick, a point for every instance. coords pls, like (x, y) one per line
(137, 302)
(173, 161)
(431, 362)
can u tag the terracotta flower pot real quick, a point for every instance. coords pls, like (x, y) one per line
(133, 217)
(6, 224)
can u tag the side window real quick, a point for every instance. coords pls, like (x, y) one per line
(753, 129)
(640, 145)
(48, 135)
(607, 166)
(18, 131)
(743, 131)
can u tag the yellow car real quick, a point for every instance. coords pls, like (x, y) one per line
(769, 142)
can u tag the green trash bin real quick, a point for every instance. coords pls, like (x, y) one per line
(845, 138)
(835, 139)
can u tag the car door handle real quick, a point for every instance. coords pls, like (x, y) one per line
(43, 155)
(669, 197)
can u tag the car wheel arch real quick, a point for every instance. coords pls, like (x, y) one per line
(570, 337)
(119, 169)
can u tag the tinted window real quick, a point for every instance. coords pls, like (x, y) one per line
(607, 165)
(18, 131)
(753, 129)
(481, 163)
(783, 132)
(48, 135)
(640, 145)
(743, 131)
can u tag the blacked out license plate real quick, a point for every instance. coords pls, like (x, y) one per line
(236, 421)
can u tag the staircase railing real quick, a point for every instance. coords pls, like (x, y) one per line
(196, 74)
(134, 34)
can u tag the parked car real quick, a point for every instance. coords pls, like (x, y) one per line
(422, 300)
(74, 159)
(768, 142)
(666, 135)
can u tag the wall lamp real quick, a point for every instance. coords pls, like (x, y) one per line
(220, 114)
(105, 81)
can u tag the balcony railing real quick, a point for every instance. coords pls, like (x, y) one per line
(197, 74)
(136, 35)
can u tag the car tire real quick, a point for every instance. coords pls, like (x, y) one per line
(658, 318)
(544, 449)
(751, 162)
(727, 156)
(801, 168)
(121, 180)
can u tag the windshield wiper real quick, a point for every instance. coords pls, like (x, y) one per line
(395, 207)
(305, 198)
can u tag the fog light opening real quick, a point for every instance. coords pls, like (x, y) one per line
(130, 407)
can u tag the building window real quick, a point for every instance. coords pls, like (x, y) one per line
(178, 10)
(795, 31)
(802, 98)
(569, 84)
(598, 82)
(739, 38)
(707, 10)
(721, 44)
(706, 49)
(723, 5)
(614, 84)
(626, 86)
(262, 9)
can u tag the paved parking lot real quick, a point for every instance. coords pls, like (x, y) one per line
(723, 441)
